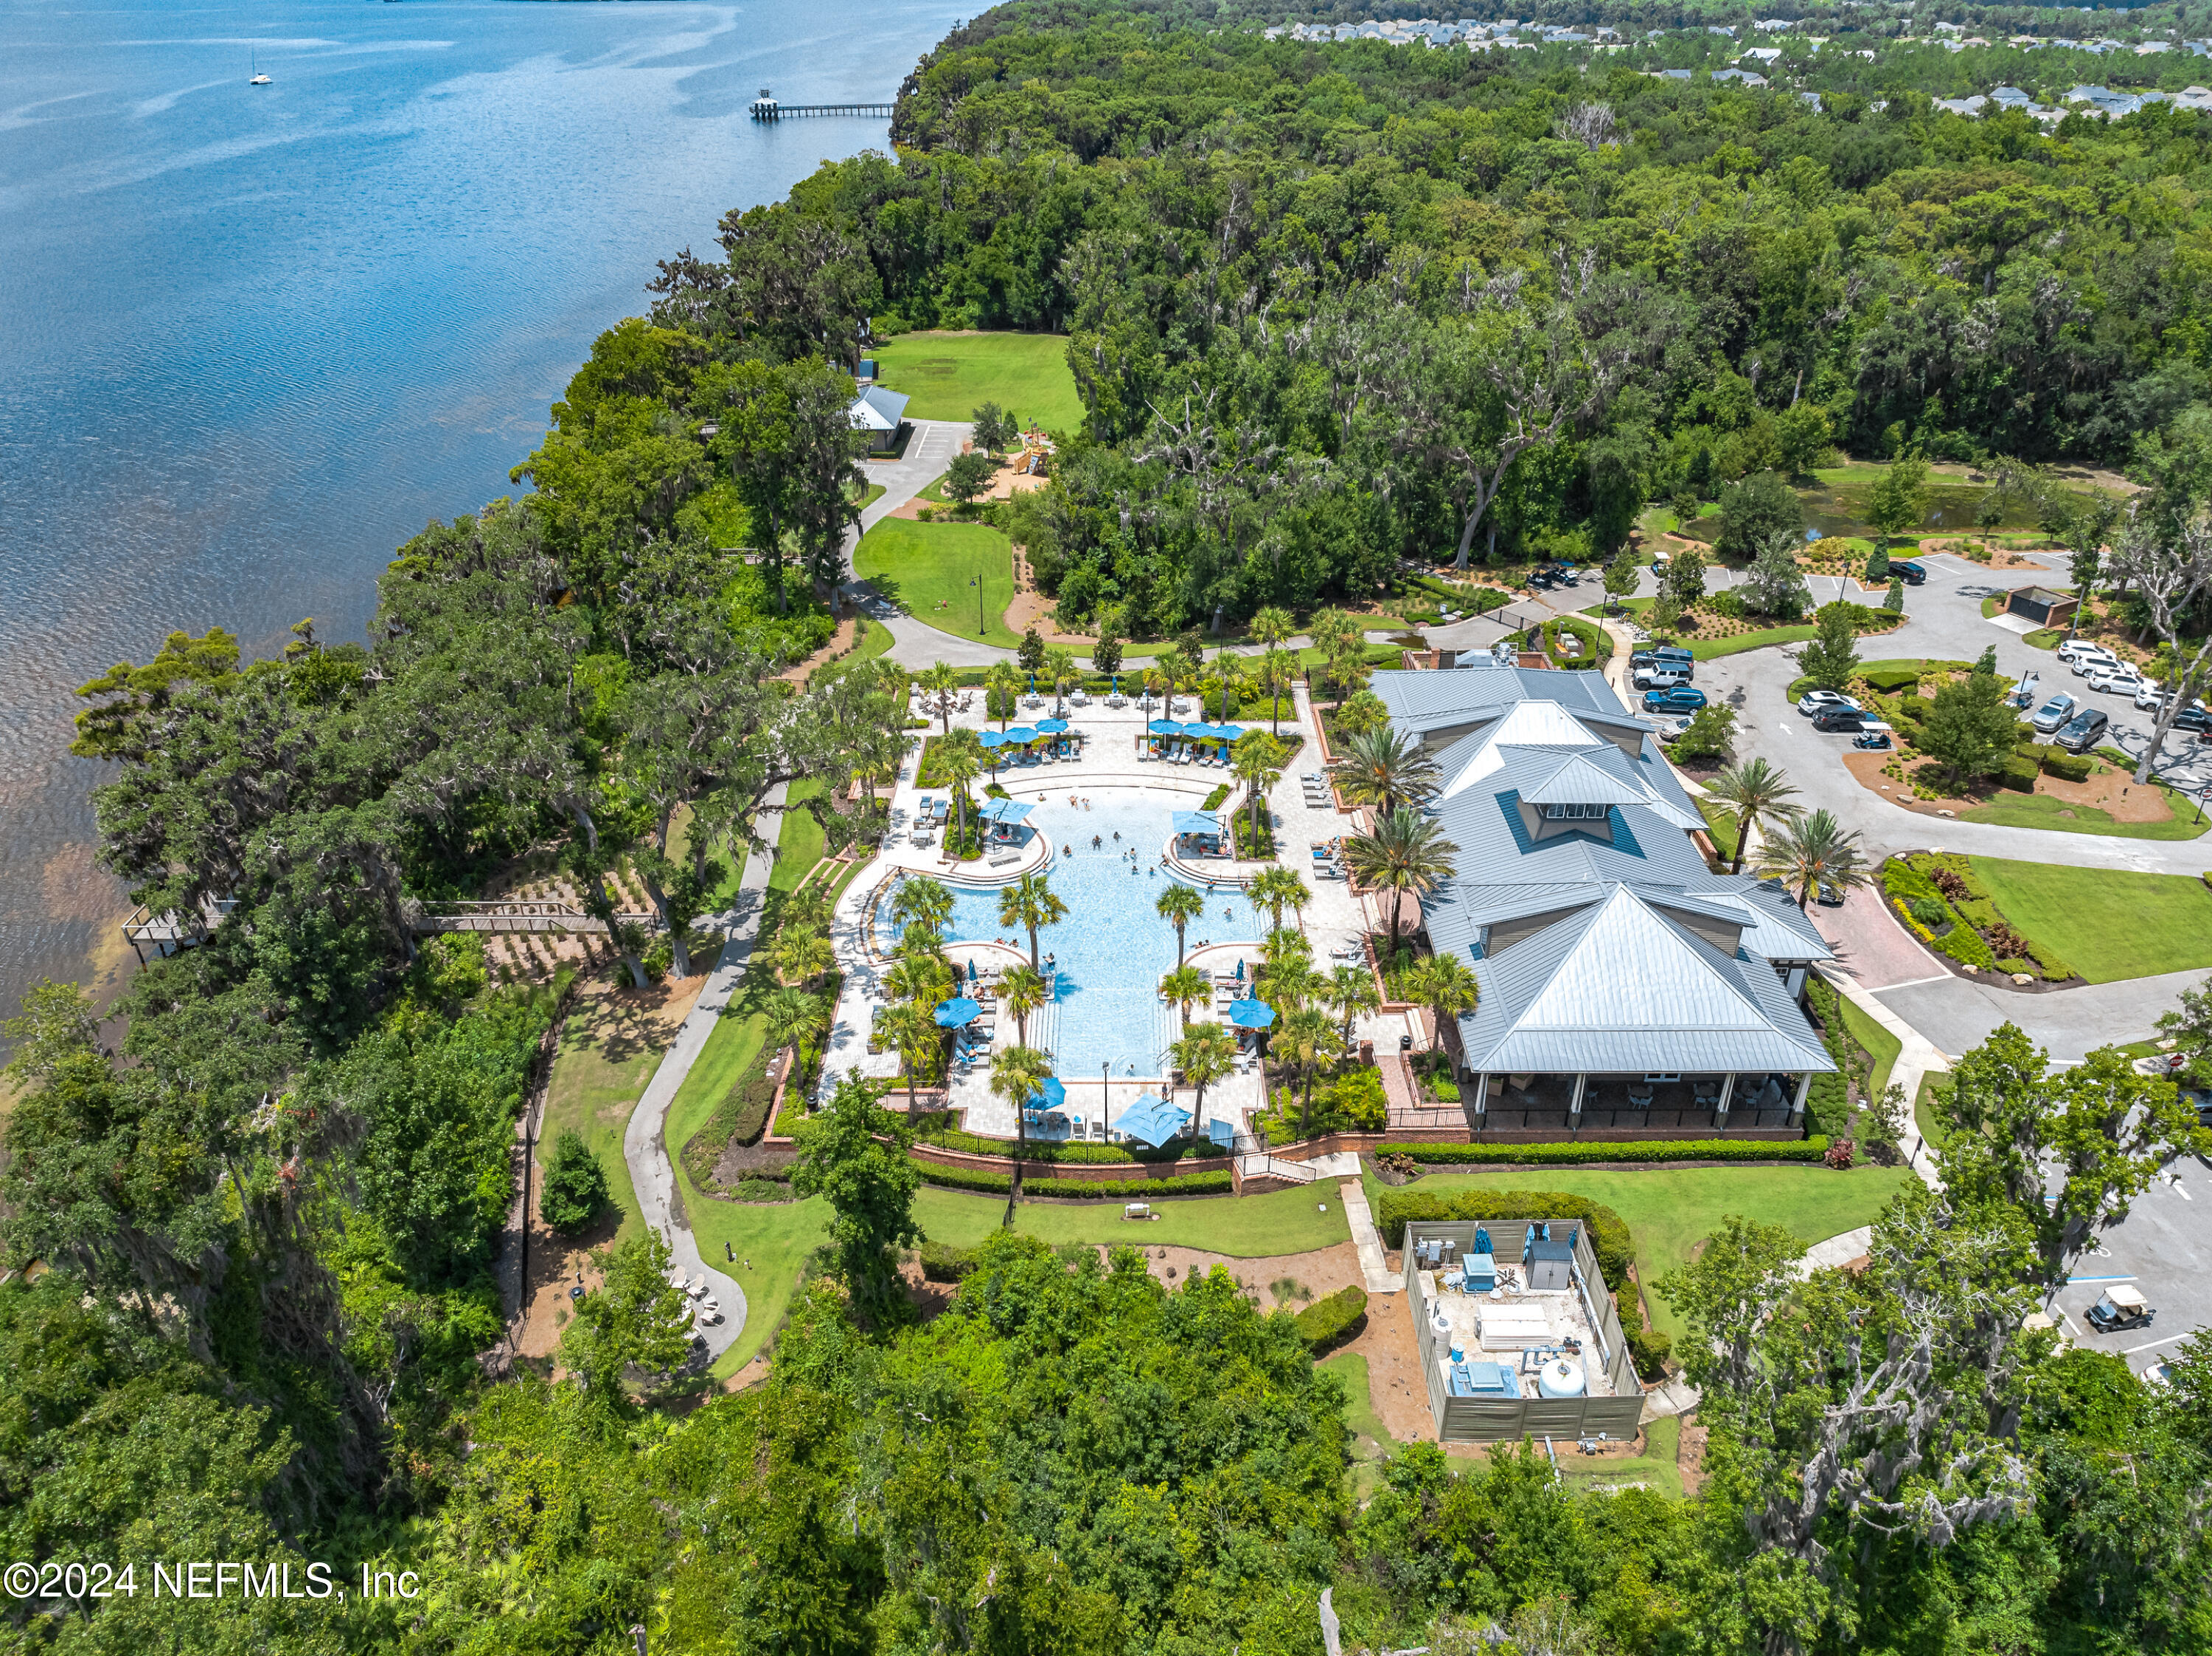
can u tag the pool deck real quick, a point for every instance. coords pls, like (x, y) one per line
(1334, 919)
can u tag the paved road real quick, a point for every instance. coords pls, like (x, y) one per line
(2164, 1247)
(1959, 1013)
(643, 1145)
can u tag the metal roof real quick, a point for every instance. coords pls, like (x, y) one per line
(878, 409)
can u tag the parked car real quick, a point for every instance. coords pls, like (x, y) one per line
(2054, 713)
(1660, 654)
(1852, 719)
(2150, 696)
(1681, 699)
(2086, 658)
(1908, 572)
(2194, 717)
(2083, 731)
(1814, 700)
(2120, 1306)
(1661, 677)
(2119, 679)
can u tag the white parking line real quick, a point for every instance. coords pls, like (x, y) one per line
(2154, 1344)
(1940, 977)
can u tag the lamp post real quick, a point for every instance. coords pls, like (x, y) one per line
(978, 584)
(1106, 1100)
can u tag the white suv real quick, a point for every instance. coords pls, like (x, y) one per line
(2119, 679)
(1814, 701)
(2086, 658)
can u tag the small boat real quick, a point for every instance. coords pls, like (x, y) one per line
(259, 79)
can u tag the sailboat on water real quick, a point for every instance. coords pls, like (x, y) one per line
(259, 79)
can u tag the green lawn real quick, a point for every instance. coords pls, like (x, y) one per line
(2041, 811)
(1709, 649)
(1721, 824)
(948, 375)
(767, 1243)
(1243, 1226)
(799, 840)
(1670, 1211)
(1923, 1108)
(878, 640)
(929, 568)
(2106, 924)
(1658, 1465)
(1879, 1044)
(606, 1057)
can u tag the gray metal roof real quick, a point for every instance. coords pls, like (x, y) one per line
(877, 408)
(1618, 987)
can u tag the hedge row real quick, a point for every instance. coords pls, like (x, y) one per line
(1583, 1152)
(942, 1262)
(1093, 1190)
(1337, 1320)
(1048, 1151)
(1608, 1231)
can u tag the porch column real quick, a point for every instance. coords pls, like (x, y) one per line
(1721, 1109)
(1576, 1109)
(1482, 1093)
(1797, 1104)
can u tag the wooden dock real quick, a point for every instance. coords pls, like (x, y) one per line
(780, 112)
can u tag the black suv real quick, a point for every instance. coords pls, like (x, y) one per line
(1839, 719)
(1911, 574)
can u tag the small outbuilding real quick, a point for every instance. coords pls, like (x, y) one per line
(881, 414)
(2041, 605)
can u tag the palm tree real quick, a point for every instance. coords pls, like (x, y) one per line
(1276, 675)
(793, 1015)
(919, 980)
(1277, 888)
(1228, 674)
(1757, 789)
(1157, 683)
(1814, 852)
(1293, 985)
(1351, 990)
(1272, 625)
(1003, 678)
(1030, 902)
(801, 954)
(960, 762)
(1259, 766)
(939, 678)
(1284, 945)
(1405, 852)
(1060, 671)
(1186, 987)
(921, 898)
(1022, 991)
(1385, 769)
(1206, 1053)
(1179, 904)
(1304, 1039)
(912, 1027)
(1017, 1075)
(1447, 985)
(1347, 667)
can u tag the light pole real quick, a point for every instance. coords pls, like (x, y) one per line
(978, 584)
(1106, 1100)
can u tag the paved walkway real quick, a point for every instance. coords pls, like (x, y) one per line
(1373, 1263)
(643, 1146)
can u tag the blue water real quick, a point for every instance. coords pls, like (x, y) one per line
(1113, 949)
(252, 338)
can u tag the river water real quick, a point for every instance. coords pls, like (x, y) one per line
(253, 338)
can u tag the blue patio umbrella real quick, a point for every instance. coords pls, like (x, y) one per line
(1051, 726)
(1152, 1120)
(956, 1012)
(1251, 1014)
(971, 971)
(1020, 735)
(1052, 1093)
(1165, 727)
(1229, 732)
(992, 739)
(1240, 970)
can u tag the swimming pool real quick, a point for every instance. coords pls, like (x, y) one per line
(1113, 948)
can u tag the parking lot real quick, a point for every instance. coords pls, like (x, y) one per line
(2164, 1249)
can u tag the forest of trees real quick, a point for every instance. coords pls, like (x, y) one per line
(1326, 308)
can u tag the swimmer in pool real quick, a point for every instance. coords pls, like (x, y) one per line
(1117, 834)
(1096, 842)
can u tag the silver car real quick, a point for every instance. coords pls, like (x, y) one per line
(2053, 713)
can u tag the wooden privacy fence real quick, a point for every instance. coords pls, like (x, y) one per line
(1494, 1420)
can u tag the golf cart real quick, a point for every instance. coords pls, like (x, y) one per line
(2120, 1306)
(1877, 736)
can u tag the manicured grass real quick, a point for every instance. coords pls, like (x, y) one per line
(878, 640)
(948, 375)
(1669, 1211)
(1242, 1227)
(1711, 649)
(606, 1058)
(769, 1242)
(1371, 1442)
(2041, 811)
(799, 840)
(731, 1044)
(875, 493)
(2107, 924)
(1923, 1109)
(1656, 1466)
(928, 568)
(1721, 824)
(1882, 1046)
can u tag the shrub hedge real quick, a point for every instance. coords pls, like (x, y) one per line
(1582, 1153)
(1091, 1190)
(947, 1137)
(1647, 1346)
(2019, 774)
(2068, 767)
(941, 1261)
(1608, 1231)
(1326, 1323)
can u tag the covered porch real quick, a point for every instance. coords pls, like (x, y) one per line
(1652, 1103)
